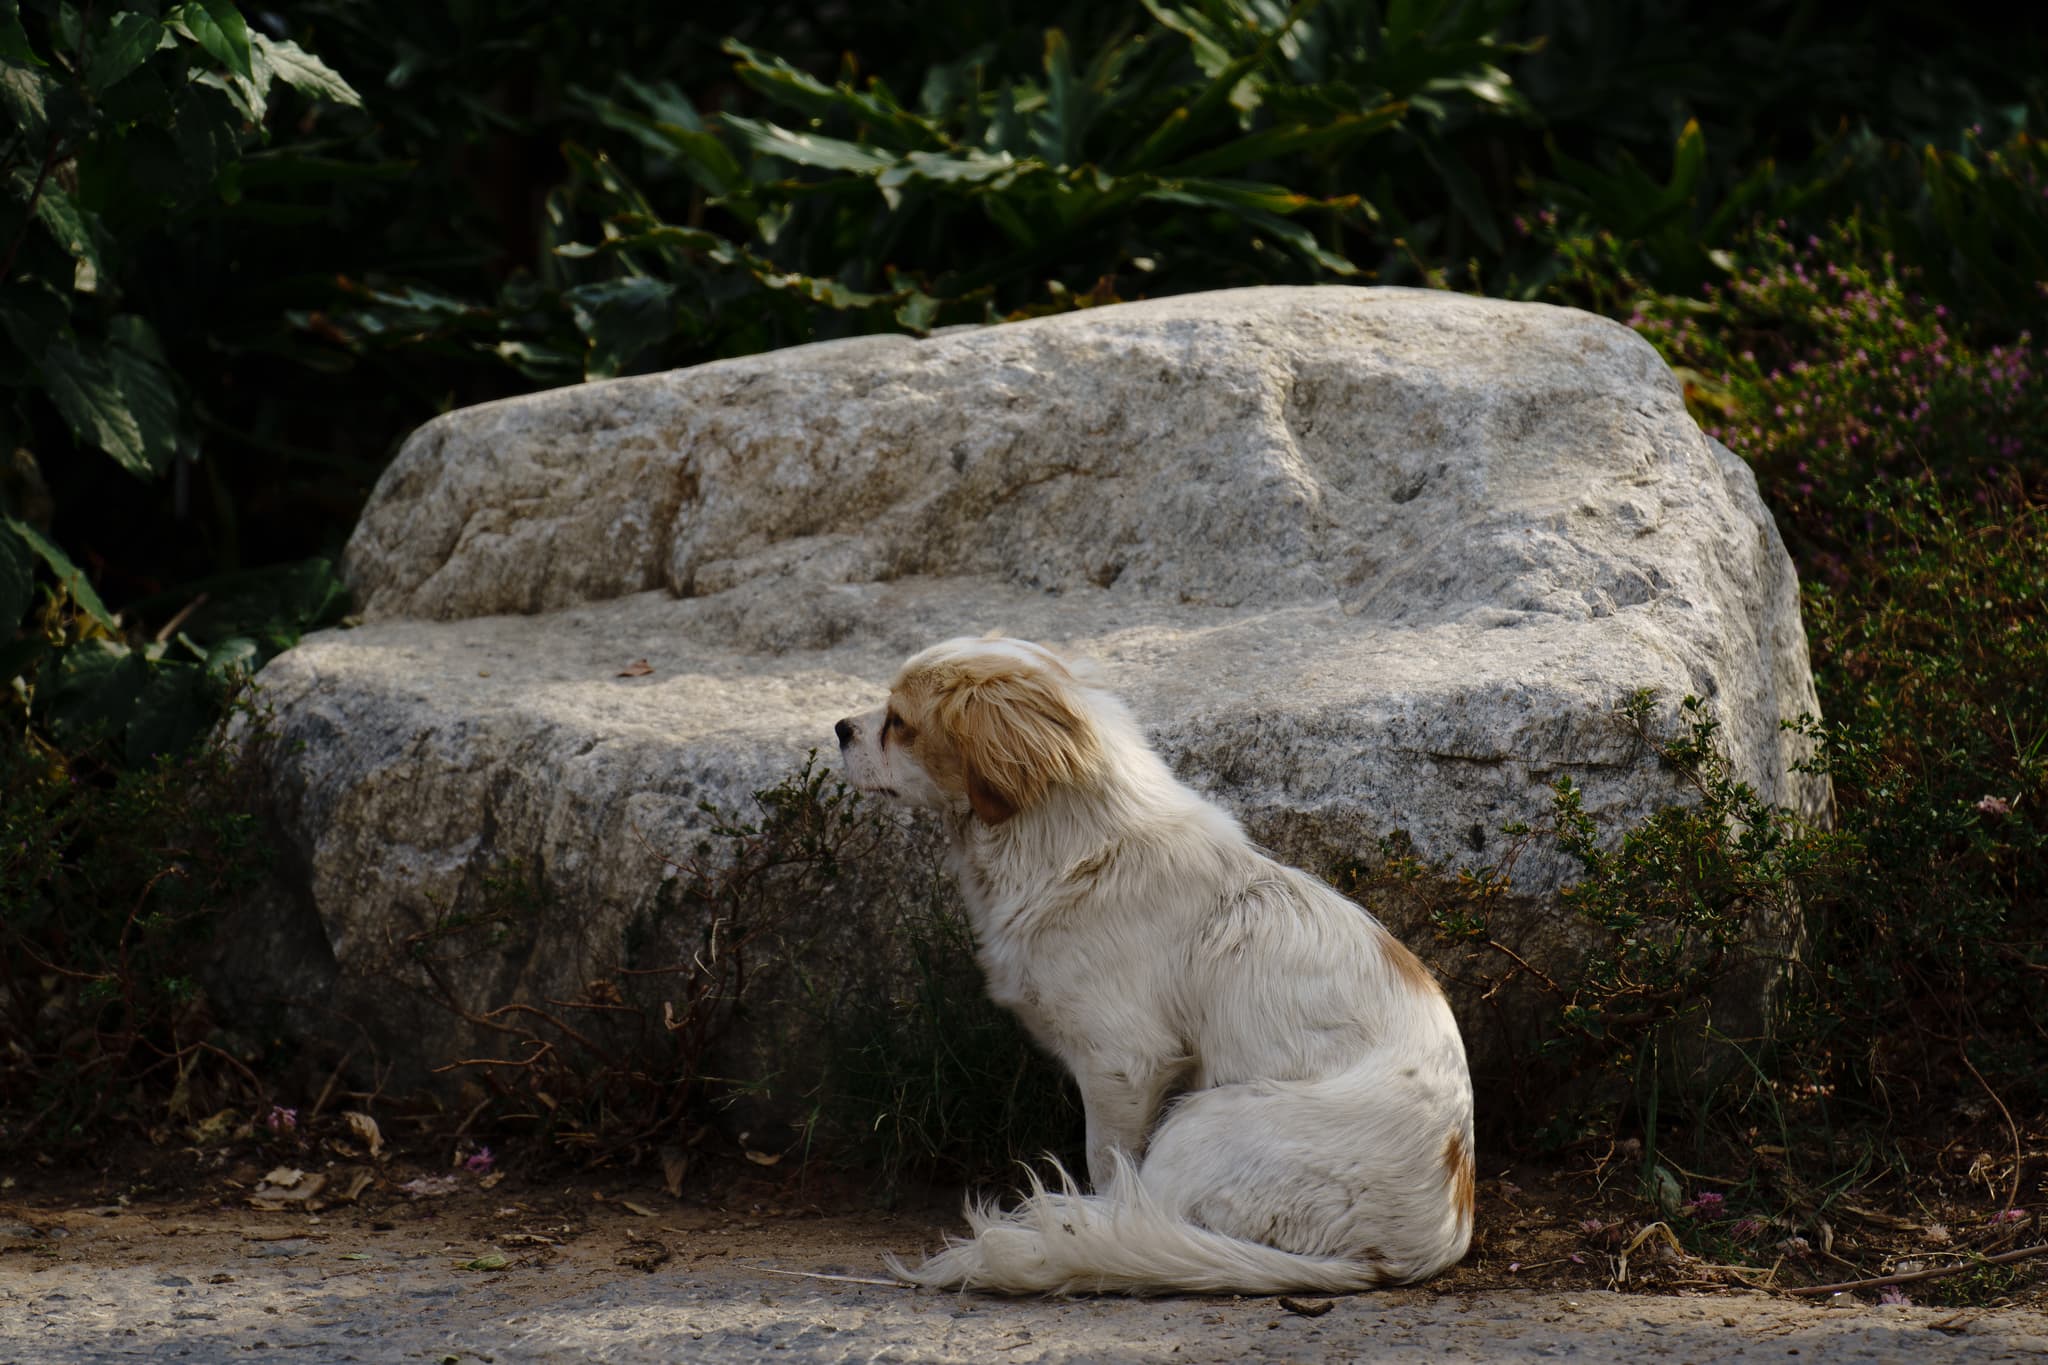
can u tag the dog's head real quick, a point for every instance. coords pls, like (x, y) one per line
(996, 723)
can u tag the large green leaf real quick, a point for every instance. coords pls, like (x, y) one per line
(620, 319)
(1294, 235)
(1196, 117)
(879, 114)
(218, 28)
(806, 149)
(1291, 141)
(143, 374)
(675, 130)
(974, 168)
(25, 95)
(68, 574)
(94, 690)
(664, 237)
(14, 45)
(1211, 49)
(304, 72)
(85, 393)
(1069, 107)
(119, 400)
(126, 45)
(61, 216)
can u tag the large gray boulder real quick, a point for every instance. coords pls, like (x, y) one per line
(1364, 561)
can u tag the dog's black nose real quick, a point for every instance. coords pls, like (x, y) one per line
(844, 729)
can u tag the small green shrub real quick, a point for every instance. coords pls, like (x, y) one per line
(834, 939)
(1705, 895)
(624, 1066)
(935, 1080)
(1933, 667)
(1697, 892)
(114, 875)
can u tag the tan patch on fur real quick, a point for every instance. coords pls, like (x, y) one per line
(1458, 1170)
(1000, 732)
(1409, 967)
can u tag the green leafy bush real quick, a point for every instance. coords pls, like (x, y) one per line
(130, 126)
(935, 1080)
(128, 123)
(113, 875)
(1700, 891)
(1170, 157)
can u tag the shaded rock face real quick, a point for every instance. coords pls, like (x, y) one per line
(1364, 562)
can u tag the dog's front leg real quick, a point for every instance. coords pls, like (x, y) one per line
(1120, 1103)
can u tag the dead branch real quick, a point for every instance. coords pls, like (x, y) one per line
(1909, 1276)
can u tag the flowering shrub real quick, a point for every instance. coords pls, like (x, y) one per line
(1820, 364)
(1902, 450)
(1900, 446)
(1932, 663)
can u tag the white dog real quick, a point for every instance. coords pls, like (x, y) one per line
(1276, 1092)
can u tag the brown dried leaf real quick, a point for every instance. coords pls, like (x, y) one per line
(285, 1186)
(675, 1164)
(639, 668)
(366, 1131)
(350, 1182)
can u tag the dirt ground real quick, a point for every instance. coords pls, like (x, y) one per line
(185, 1254)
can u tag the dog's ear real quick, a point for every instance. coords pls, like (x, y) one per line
(1019, 731)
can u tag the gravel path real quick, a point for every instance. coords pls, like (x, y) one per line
(124, 1288)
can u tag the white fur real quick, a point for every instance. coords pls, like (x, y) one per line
(1276, 1094)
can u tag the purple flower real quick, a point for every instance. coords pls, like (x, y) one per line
(1892, 1295)
(1706, 1204)
(479, 1160)
(281, 1119)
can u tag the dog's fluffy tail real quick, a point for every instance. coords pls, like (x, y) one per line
(1119, 1241)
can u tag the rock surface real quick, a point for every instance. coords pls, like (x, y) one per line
(1364, 561)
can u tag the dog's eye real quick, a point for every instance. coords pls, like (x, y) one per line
(894, 722)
